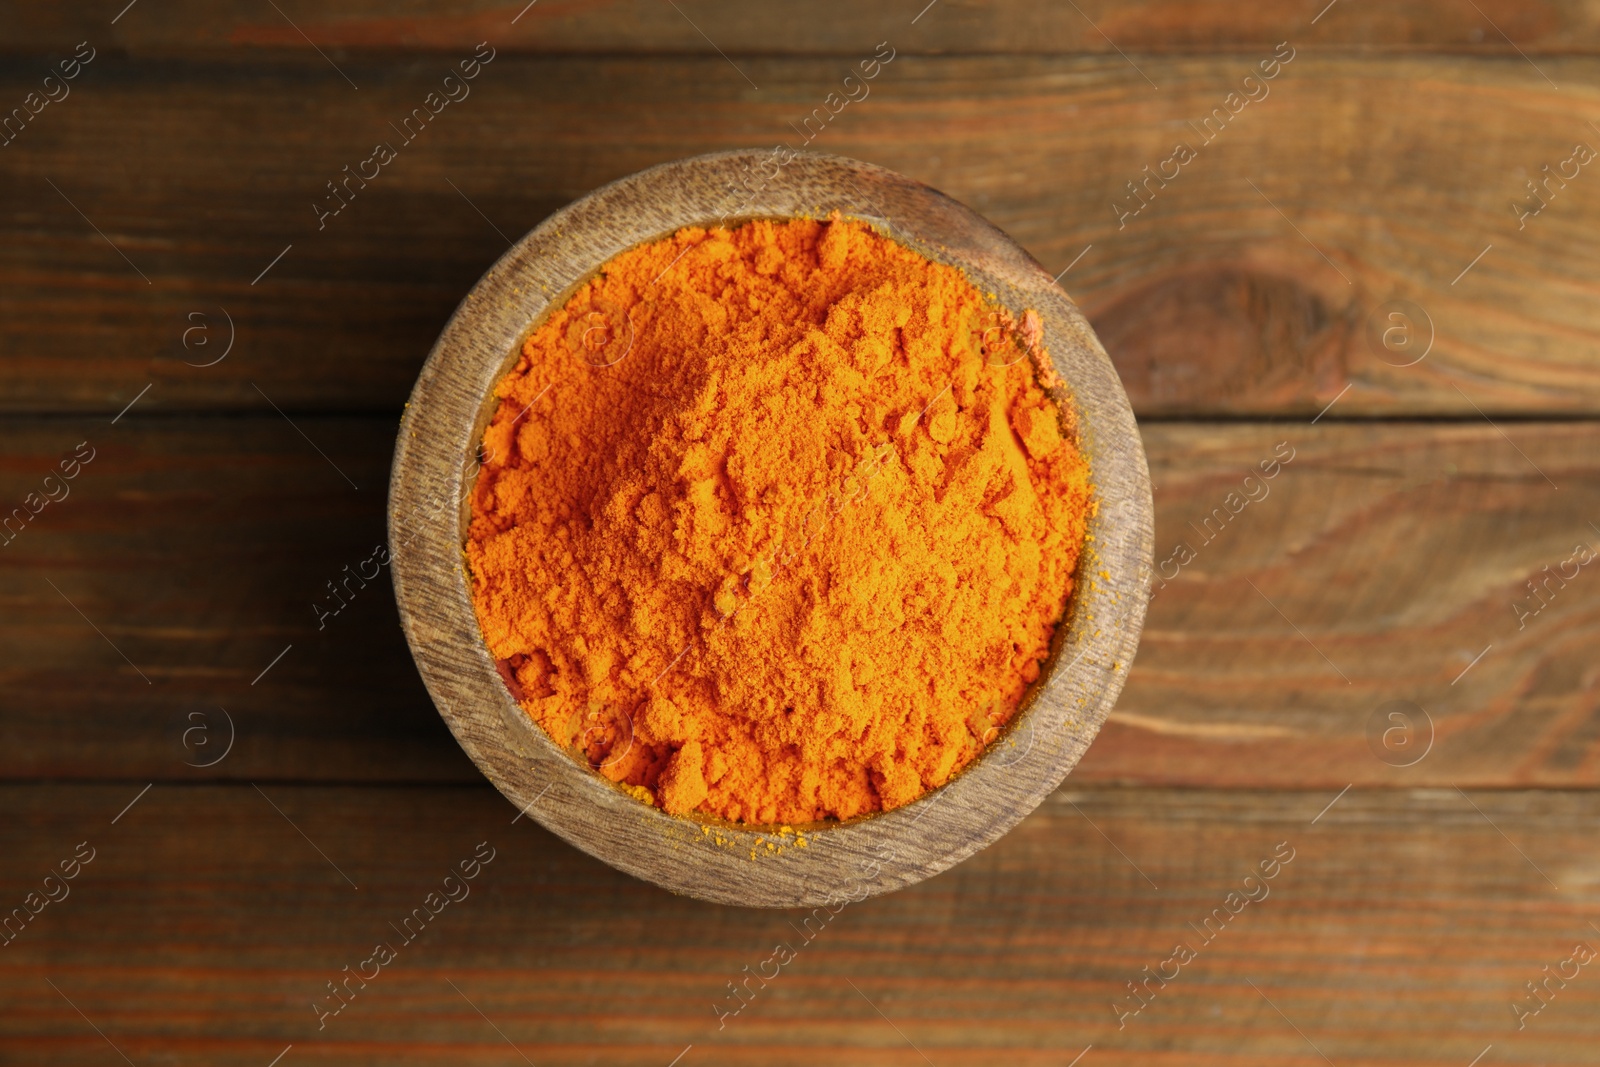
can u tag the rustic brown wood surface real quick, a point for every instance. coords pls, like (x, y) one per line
(206, 928)
(1390, 154)
(200, 547)
(1354, 182)
(831, 26)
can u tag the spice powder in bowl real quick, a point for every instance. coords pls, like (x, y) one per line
(774, 524)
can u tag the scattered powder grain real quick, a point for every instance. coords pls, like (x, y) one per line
(775, 523)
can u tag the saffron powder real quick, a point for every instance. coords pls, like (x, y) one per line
(775, 523)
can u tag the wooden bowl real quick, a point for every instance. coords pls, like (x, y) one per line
(435, 463)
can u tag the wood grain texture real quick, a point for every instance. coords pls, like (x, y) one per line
(1396, 140)
(1401, 931)
(198, 549)
(641, 26)
(1399, 549)
(1375, 178)
(1385, 559)
(442, 431)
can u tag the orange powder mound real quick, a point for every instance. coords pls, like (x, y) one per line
(774, 524)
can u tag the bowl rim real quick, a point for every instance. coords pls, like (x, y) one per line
(438, 441)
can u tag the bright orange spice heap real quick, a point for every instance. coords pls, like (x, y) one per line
(775, 524)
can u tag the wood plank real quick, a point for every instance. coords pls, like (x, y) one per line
(1218, 298)
(641, 26)
(1385, 559)
(199, 547)
(1401, 931)
(184, 558)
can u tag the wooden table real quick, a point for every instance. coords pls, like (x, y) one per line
(164, 205)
